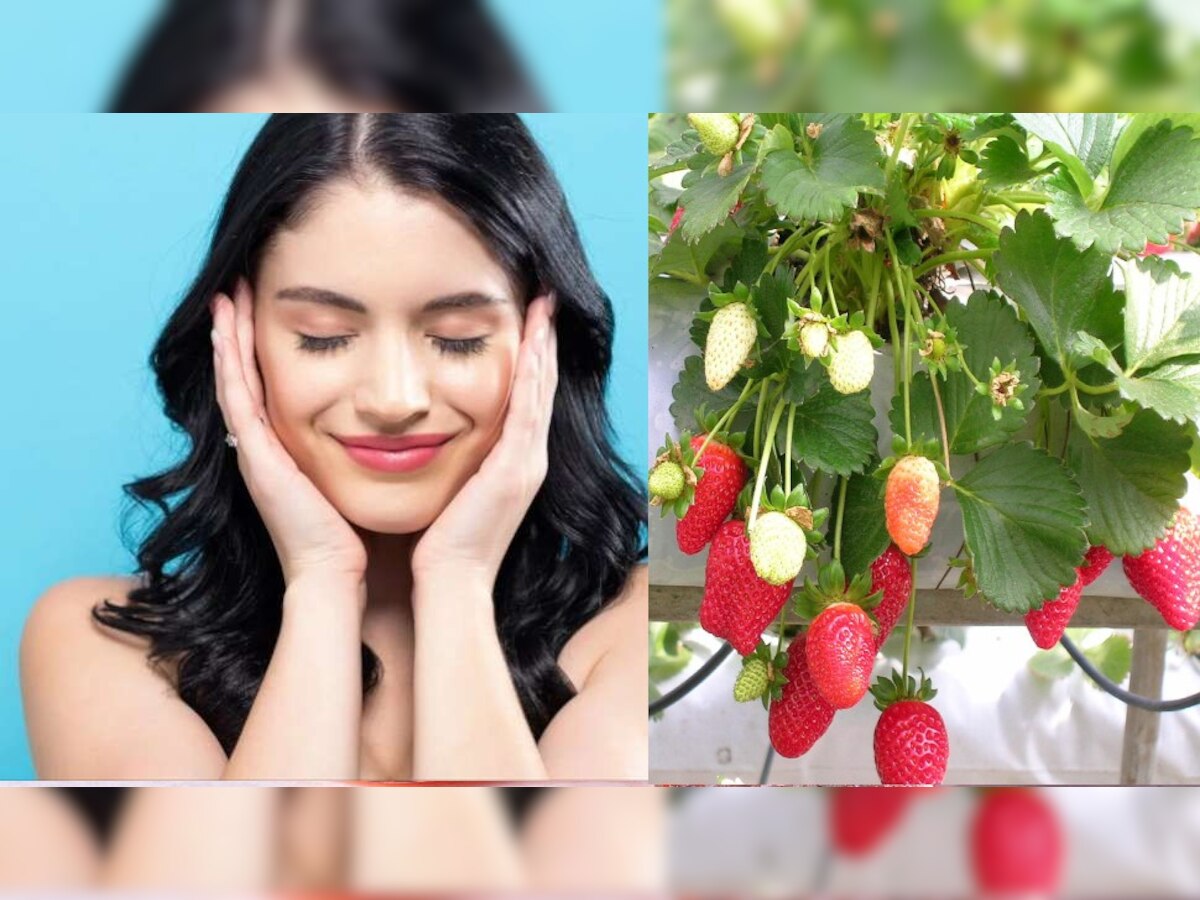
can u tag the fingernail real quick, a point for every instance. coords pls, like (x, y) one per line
(216, 340)
(541, 335)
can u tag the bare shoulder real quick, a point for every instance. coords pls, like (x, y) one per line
(617, 630)
(89, 691)
(61, 623)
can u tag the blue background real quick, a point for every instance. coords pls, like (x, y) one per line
(106, 220)
(584, 55)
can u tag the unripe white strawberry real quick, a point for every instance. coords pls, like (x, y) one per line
(814, 336)
(852, 363)
(777, 548)
(730, 339)
(718, 131)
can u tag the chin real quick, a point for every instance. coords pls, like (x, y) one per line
(389, 521)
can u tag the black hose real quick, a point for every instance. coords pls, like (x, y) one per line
(766, 767)
(1127, 697)
(678, 693)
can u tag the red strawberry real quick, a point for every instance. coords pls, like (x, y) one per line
(911, 746)
(841, 653)
(799, 718)
(1016, 843)
(675, 220)
(892, 574)
(1094, 563)
(860, 818)
(1047, 623)
(910, 502)
(1168, 574)
(716, 493)
(737, 604)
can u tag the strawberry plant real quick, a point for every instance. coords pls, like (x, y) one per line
(972, 293)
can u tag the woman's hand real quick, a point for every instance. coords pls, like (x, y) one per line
(310, 536)
(470, 537)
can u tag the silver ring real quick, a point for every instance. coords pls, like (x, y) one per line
(231, 439)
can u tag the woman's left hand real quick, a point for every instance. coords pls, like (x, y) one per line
(468, 540)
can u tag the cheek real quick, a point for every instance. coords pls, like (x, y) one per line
(479, 388)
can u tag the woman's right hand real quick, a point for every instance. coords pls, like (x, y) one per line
(310, 536)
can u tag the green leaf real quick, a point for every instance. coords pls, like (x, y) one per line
(1162, 315)
(1023, 517)
(749, 263)
(845, 161)
(669, 655)
(1173, 390)
(770, 299)
(1087, 136)
(697, 262)
(864, 528)
(987, 326)
(1154, 191)
(833, 432)
(691, 390)
(1142, 122)
(1004, 163)
(1060, 288)
(1051, 665)
(1133, 482)
(708, 202)
(1112, 656)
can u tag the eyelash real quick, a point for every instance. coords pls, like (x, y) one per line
(451, 346)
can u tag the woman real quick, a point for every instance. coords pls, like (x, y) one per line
(313, 55)
(402, 545)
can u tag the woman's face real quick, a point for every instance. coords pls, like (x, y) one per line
(382, 314)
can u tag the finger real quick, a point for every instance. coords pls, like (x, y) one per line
(218, 364)
(549, 378)
(240, 415)
(243, 301)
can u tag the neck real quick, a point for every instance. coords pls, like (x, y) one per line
(389, 570)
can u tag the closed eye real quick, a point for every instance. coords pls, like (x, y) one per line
(310, 344)
(460, 346)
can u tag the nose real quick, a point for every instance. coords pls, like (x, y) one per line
(395, 387)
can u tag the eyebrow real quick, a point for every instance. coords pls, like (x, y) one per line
(324, 297)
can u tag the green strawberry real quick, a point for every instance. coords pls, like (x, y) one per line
(718, 131)
(666, 480)
(758, 26)
(777, 548)
(752, 680)
(731, 337)
(852, 363)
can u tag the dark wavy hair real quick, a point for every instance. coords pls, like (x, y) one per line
(213, 588)
(410, 54)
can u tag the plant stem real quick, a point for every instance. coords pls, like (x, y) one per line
(787, 450)
(828, 282)
(762, 464)
(994, 227)
(937, 399)
(953, 256)
(725, 419)
(912, 606)
(1092, 389)
(837, 534)
(901, 134)
(762, 401)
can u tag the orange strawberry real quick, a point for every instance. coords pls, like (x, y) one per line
(911, 503)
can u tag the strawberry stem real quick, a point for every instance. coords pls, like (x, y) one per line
(912, 605)
(762, 464)
(837, 534)
(787, 450)
(937, 399)
(725, 419)
(758, 414)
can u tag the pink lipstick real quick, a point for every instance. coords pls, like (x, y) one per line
(394, 454)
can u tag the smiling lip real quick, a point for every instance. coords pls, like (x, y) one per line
(398, 454)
